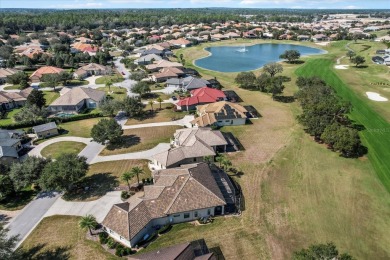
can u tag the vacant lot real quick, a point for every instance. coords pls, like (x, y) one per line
(49, 240)
(115, 78)
(80, 128)
(56, 149)
(115, 92)
(139, 139)
(164, 115)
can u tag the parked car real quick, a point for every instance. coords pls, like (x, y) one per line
(174, 98)
(123, 73)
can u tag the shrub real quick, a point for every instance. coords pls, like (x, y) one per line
(111, 243)
(119, 250)
(125, 195)
(103, 239)
(164, 229)
(128, 251)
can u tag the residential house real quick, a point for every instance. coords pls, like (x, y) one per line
(147, 59)
(161, 64)
(195, 250)
(4, 73)
(187, 83)
(10, 145)
(200, 96)
(303, 37)
(320, 38)
(92, 69)
(190, 145)
(39, 73)
(11, 100)
(77, 99)
(167, 73)
(178, 195)
(45, 130)
(180, 43)
(221, 113)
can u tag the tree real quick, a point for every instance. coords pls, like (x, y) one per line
(141, 88)
(37, 98)
(17, 78)
(51, 80)
(275, 87)
(291, 55)
(132, 106)
(6, 185)
(110, 107)
(262, 81)
(108, 85)
(208, 159)
(138, 75)
(273, 68)
(137, 171)
(220, 159)
(64, 172)
(246, 80)
(31, 113)
(343, 139)
(159, 100)
(106, 130)
(350, 54)
(321, 251)
(127, 176)
(88, 222)
(27, 172)
(226, 163)
(7, 244)
(151, 102)
(358, 60)
(63, 77)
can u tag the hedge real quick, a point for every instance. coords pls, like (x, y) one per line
(57, 120)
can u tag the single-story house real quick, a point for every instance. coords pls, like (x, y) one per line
(10, 146)
(188, 83)
(200, 96)
(45, 130)
(166, 73)
(147, 59)
(91, 69)
(221, 113)
(180, 43)
(38, 74)
(76, 99)
(11, 100)
(320, 38)
(178, 195)
(303, 37)
(190, 145)
(4, 73)
(161, 64)
(195, 250)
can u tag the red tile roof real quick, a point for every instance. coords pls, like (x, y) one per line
(202, 95)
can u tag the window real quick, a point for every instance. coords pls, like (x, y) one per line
(196, 214)
(186, 215)
(209, 212)
(176, 216)
(194, 159)
(227, 121)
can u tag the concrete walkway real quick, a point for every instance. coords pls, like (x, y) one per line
(99, 208)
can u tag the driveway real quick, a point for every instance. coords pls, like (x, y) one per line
(99, 208)
(31, 215)
(38, 149)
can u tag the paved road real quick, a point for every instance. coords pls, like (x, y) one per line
(127, 83)
(91, 151)
(31, 215)
(99, 208)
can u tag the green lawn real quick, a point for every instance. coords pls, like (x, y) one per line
(50, 96)
(12, 87)
(115, 78)
(56, 149)
(376, 135)
(117, 93)
(80, 128)
(9, 117)
(164, 115)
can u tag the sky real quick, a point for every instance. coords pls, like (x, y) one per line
(80, 4)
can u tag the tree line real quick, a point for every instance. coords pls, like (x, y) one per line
(325, 117)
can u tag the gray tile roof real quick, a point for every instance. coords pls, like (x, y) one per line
(44, 127)
(6, 151)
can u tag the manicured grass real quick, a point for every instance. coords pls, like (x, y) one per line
(115, 78)
(116, 92)
(60, 237)
(50, 96)
(164, 115)
(56, 149)
(140, 139)
(9, 117)
(80, 128)
(154, 96)
(76, 82)
(12, 87)
(376, 135)
(18, 200)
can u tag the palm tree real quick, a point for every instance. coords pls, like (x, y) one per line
(127, 176)
(151, 102)
(137, 171)
(207, 159)
(226, 163)
(220, 159)
(108, 85)
(159, 100)
(88, 222)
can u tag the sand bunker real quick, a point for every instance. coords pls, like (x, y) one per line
(341, 67)
(322, 43)
(376, 97)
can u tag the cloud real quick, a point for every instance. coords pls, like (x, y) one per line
(77, 4)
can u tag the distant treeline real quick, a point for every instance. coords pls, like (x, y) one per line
(16, 20)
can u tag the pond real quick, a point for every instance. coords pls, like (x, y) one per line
(246, 58)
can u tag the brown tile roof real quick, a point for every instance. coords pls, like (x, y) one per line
(166, 253)
(7, 72)
(175, 190)
(163, 64)
(46, 70)
(211, 113)
(76, 95)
